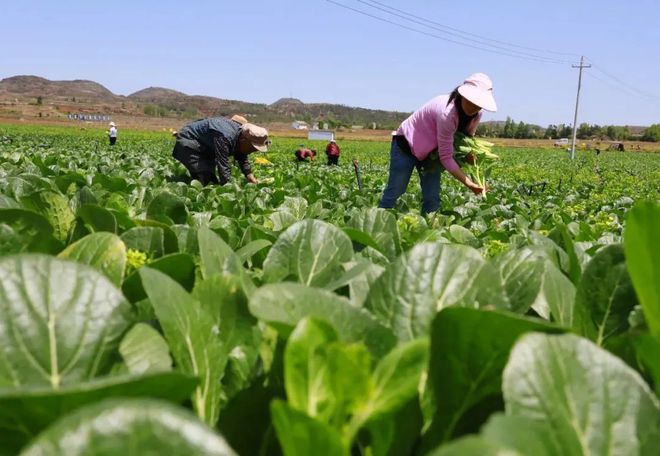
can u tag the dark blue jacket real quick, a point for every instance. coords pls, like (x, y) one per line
(217, 138)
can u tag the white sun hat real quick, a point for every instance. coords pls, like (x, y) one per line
(112, 124)
(478, 89)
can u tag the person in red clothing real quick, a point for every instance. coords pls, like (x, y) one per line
(332, 151)
(302, 154)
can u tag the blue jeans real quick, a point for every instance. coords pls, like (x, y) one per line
(401, 167)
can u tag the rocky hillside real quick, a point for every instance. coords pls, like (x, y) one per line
(89, 96)
(34, 86)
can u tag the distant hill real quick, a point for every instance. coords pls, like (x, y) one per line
(287, 103)
(157, 93)
(294, 108)
(34, 96)
(89, 96)
(34, 86)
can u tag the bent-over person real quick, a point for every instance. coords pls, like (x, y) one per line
(207, 144)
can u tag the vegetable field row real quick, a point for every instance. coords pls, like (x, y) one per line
(140, 313)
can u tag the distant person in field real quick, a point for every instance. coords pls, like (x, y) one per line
(332, 151)
(112, 133)
(303, 153)
(207, 144)
(428, 133)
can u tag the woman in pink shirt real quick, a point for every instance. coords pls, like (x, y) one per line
(430, 130)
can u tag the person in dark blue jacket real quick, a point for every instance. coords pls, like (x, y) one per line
(207, 144)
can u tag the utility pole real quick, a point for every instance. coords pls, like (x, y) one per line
(577, 102)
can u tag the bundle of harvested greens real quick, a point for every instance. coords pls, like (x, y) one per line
(476, 154)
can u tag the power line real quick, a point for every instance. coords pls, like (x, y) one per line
(612, 86)
(465, 35)
(623, 83)
(441, 28)
(509, 53)
(481, 43)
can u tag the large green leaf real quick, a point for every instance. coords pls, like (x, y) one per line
(218, 258)
(550, 249)
(396, 378)
(362, 238)
(248, 250)
(26, 231)
(144, 350)
(147, 239)
(591, 401)
(285, 304)
(131, 428)
(225, 301)
(531, 280)
(251, 405)
(96, 218)
(223, 297)
(353, 272)
(193, 338)
(359, 286)
(469, 349)
(252, 234)
(306, 375)
(8, 203)
(380, 225)
(310, 251)
(324, 378)
(55, 207)
(522, 434)
(170, 240)
(566, 242)
(124, 222)
(165, 204)
(396, 433)
(110, 183)
(281, 220)
(26, 184)
(26, 411)
(605, 296)
(394, 382)
(641, 240)
(462, 235)
(104, 251)
(648, 350)
(85, 196)
(300, 434)
(60, 322)
(187, 237)
(226, 227)
(474, 446)
(178, 266)
(296, 206)
(429, 278)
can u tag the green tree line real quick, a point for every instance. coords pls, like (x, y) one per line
(522, 130)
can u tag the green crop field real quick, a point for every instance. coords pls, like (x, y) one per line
(295, 317)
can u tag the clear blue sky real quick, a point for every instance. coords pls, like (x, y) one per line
(316, 51)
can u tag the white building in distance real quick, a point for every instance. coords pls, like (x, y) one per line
(300, 125)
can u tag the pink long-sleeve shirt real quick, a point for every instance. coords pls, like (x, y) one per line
(432, 127)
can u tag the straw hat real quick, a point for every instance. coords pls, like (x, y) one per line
(258, 136)
(240, 119)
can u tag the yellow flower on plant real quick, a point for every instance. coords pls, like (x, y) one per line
(262, 161)
(135, 259)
